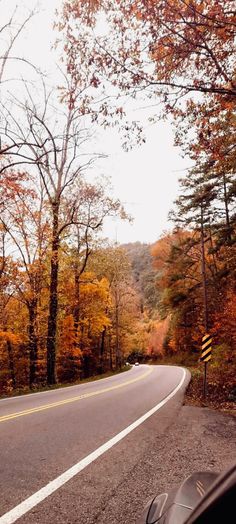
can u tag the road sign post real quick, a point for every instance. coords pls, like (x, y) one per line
(206, 357)
(205, 380)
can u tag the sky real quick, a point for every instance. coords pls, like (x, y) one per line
(144, 179)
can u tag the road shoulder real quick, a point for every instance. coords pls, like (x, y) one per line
(201, 439)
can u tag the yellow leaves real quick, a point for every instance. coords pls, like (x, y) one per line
(68, 337)
(69, 358)
(94, 300)
(95, 322)
(91, 289)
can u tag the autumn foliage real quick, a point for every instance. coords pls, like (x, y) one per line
(72, 305)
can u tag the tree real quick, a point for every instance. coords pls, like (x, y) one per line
(206, 133)
(94, 206)
(194, 208)
(10, 32)
(195, 269)
(69, 354)
(179, 52)
(25, 223)
(54, 155)
(150, 44)
(52, 142)
(224, 325)
(12, 335)
(124, 308)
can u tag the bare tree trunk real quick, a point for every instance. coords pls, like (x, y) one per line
(204, 282)
(228, 227)
(33, 342)
(11, 363)
(53, 301)
(212, 249)
(205, 302)
(117, 343)
(110, 353)
(102, 350)
(86, 366)
(76, 312)
(78, 272)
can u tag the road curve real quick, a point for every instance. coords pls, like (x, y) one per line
(48, 438)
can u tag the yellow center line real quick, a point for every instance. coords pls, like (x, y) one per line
(72, 399)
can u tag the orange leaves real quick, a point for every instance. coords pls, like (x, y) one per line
(161, 250)
(225, 324)
(68, 336)
(6, 336)
(85, 9)
(12, 184)
(190, 44)
(157, 335)
(69, 358)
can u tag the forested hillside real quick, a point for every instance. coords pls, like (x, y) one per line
(97, 313)
(73, 305)
(144, 274)
(135, 302)
(190, 276)
(168, 276)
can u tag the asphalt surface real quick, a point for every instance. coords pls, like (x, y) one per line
(43, 435)
(199, 440)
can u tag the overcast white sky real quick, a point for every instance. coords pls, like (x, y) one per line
(145, 179)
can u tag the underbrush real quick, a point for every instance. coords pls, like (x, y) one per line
(40, 388)
(221, 387)
(177, 359)
(221, 378)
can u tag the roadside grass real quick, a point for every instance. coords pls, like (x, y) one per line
(41, 388)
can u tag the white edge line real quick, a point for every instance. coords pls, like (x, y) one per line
(32, 501)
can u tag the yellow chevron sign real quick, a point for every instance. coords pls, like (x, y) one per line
(206, 348)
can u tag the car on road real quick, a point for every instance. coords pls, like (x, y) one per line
(136, 363)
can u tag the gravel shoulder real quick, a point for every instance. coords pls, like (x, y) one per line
(201, 439)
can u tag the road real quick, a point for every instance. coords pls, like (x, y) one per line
(64, 452)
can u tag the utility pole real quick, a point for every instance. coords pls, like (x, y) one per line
(204, 286)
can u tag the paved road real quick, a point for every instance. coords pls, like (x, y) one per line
(63, 452)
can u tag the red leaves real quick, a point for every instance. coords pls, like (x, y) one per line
(225, 325)
(13, 186)
(190, 44)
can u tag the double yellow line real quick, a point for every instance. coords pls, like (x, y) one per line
(11, 416)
